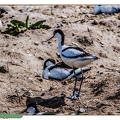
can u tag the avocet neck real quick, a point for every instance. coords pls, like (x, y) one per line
(60, 41)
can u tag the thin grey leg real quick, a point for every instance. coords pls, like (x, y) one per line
(80, 83)
(74, 96)
(75, 82)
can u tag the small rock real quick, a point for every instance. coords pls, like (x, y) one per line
(119, 17)
(30, 54)
(14, 44)
(101, 54)
(85, 106)
(27, 51)
(58, 26)
(83, 20)
(118, 86)
(64, 16)
(55, 86)
(1, 25)
(84, 12)
(13, 50)
(81, 110)
(28, 94)
(42, 89)
(56, 6)
(51, 88)
(3, 69)
(41, 58)
(101, 73)
(7, 45)
(95, 22)
(64, 83)
(102, 66)
(58, 55)
(6, 36)
(24, 89)
(73, 34)
(64, 22)
(102, 23)
(41, 80)
(77, 10)
(88, 6)
(2, 10)
(43, 42)
(36, 43)
(17, 91)
(42, 94)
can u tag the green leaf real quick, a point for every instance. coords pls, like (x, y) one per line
(16, 27)
(27, 22)
(18, 23)
(46, 27)
(37, 24)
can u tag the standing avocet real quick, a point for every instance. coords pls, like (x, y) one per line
(74, 57)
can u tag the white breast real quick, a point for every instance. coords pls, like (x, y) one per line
(46, 73)
(31, 110)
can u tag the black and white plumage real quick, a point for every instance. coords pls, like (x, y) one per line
(32, 110)
(74, 57)
(59, 71)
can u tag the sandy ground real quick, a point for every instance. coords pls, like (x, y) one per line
(24, 59)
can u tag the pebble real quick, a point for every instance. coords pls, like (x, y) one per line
(41, 58)
(27, 52)
(56, 6)
(73, 34)
(81, 110)
(13, 50)
(51, 88)
(24, 89)
(84, 12)
(64, 83)
(102, 66)
(42, 94)
(17, 91)
(43, 43)
(64, 22)
(118, 86)
(1, 25)
(6, 36)
(36, 43)
(42, 89)
(3, 69)
(77, 10)
(30, 54)
(64, 16)
(95, 22)
(101, 73)
(7, 45)
(119, 17)
(28, 94)
(102, 23)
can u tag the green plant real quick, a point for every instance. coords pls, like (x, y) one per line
(16, 27)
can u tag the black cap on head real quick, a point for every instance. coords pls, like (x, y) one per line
(58, 31)
(48, 60)
(61, 33)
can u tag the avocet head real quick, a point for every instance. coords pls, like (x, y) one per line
(32, 109)
(48, 62)
(59, 34)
